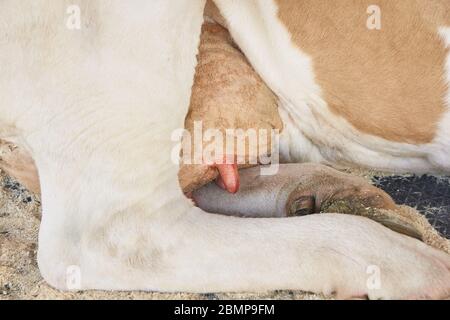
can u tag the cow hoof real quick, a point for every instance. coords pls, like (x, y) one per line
(329, 191)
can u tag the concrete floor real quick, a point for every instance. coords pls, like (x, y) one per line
(430, 195)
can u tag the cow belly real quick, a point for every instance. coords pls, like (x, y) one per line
(313, 130)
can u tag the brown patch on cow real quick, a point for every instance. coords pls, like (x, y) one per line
(389, 82)
(213, 13)
(18, 163)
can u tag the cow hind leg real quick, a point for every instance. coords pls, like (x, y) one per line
(200, 252)
(303, 189)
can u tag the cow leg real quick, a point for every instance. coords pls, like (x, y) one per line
(302, 189)
(182, 248)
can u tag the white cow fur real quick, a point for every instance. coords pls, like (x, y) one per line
(96, 109)
(441, 145)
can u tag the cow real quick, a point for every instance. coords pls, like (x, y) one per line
(95, 106)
